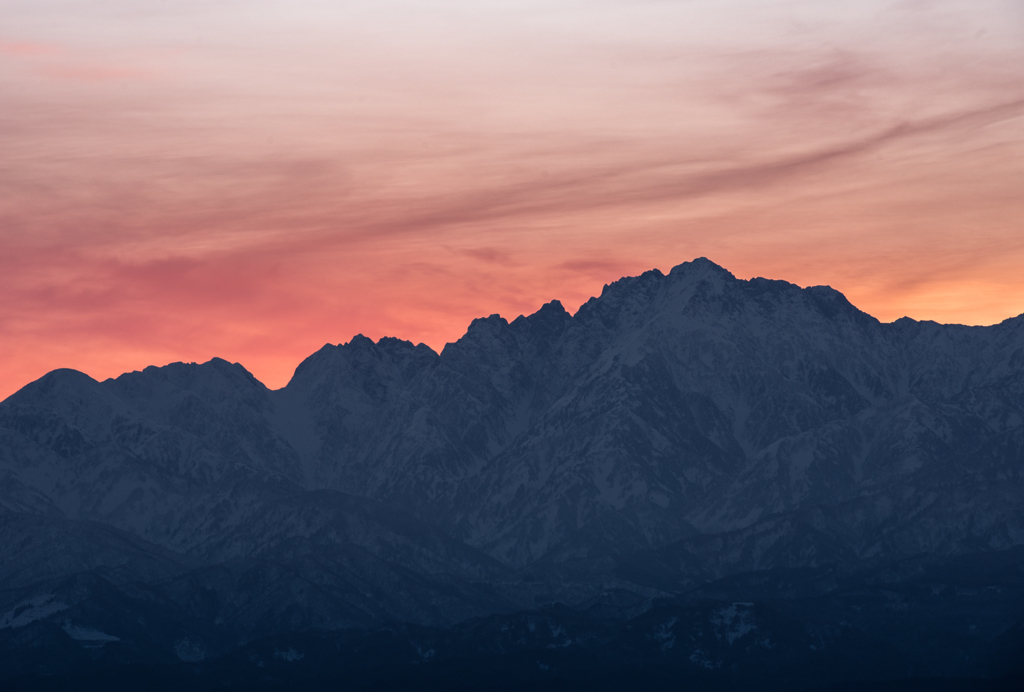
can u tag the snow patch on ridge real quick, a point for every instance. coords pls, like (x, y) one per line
(33, 609)
(89, 637)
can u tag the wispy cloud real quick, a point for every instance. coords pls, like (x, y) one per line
(23, 49)
(78, 73)
(215, 180)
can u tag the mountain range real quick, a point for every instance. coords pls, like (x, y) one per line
(764, 475)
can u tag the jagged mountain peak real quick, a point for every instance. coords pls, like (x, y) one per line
(63, 379)
(669, 401)
(70, 393)
(700, 268)
(553, 307)
(396, 345)
(215, 372)
(481, 329)
(830, 300)
(362, 349)
(678, 428)
(547, 323)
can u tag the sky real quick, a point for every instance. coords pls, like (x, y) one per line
(250, 180)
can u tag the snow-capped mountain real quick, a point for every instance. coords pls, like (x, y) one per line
(677, 429)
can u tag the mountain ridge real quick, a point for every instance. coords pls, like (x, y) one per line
(825, 291)
(497, 403)
(678, 429)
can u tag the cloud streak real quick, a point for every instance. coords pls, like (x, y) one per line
(204, 182)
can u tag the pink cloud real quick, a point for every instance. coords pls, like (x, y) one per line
(93, 73)
(24, 49)
(270, 195)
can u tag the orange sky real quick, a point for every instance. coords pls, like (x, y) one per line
(251, 180)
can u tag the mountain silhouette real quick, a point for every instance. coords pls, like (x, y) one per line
(688, 448)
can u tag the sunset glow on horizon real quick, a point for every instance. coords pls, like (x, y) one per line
(252, 180)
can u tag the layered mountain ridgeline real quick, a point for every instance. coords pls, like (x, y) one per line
(678, 431)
